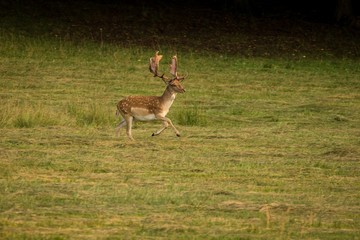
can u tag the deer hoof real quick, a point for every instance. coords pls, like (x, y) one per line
(153, 135)
(178, 134)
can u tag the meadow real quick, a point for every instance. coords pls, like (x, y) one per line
(269, 148)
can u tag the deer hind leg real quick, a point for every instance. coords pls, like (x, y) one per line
(123, 123)
(129, 121)
(166, 121)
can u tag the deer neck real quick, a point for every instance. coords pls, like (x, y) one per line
(168, 97)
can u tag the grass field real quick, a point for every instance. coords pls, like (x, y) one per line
(269, 149)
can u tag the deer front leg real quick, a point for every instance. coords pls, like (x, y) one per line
(162, 129)
(166, 121)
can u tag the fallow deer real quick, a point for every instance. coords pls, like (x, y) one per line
(147, 108)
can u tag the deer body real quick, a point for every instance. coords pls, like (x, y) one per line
(147, 108)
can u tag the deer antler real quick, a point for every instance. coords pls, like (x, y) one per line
(173, 66)
(154, 63)
(154, 66)
(173, 69)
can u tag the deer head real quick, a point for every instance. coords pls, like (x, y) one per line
(172, 82)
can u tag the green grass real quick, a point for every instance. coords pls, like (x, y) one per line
(269, 147)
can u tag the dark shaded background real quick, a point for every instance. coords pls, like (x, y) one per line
(267, 28)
